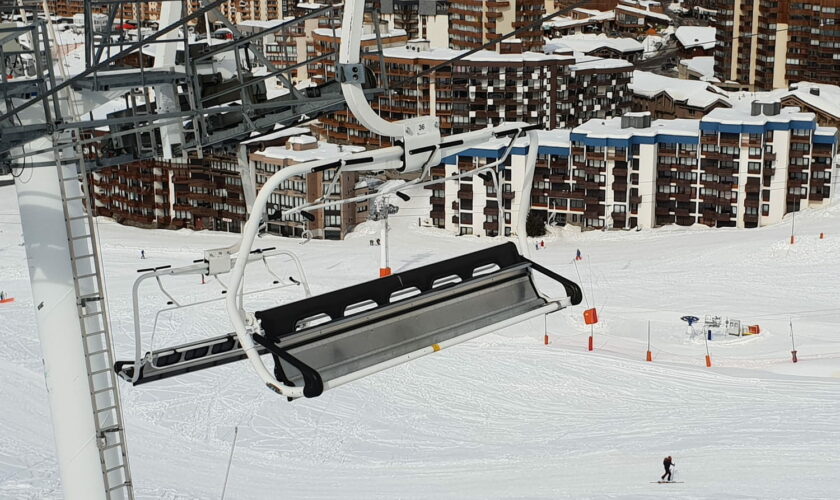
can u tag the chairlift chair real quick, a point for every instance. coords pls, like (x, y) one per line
(326, 340)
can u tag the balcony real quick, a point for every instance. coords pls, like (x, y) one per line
(491, 226)
(204, 212)
(465, 194)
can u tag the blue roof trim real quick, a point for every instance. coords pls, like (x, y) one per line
(802, 125)
(618, 143)
(708, 126)
(728, 128)
(643, 139)
(450, 160)
(555, 150)
(777, 126)
(677, 139)
(825, 139)
(521, 150)
(753, 129)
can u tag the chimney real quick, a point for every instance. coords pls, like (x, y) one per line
(766, 108)
(636, 120)
(815, 91)
(418, 45)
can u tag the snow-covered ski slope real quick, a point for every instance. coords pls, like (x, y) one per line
(503, 416)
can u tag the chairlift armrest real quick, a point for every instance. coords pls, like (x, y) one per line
(313, 384)
(572, 289)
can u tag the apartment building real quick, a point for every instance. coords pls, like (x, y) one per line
(637, 17)
(326, 40)
(68, 8)
(602, 5)
(205, 193)
(733, 168)
(487, 88)
(765, 45)
(471, 205)
(472, 23)
(426, 19)
(330, 222)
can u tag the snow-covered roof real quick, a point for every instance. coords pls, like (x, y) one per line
(588, 12)
(590, 62)
(586, 43)
(560, 137)
(827, 101)
(642, 12)
(696, 36)
(567, 22)
(310, 5)
(741, 115)
(264, 24)
(692, 92)
(703, 66)
(303, 139)
(611, 128)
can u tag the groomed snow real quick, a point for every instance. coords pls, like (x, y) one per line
(503, 416)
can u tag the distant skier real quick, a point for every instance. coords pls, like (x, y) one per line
(542, 243)
(578, 257)
(668, 462)
(2, 295)
(142, 254)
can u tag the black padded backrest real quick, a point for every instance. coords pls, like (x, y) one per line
(280, 321)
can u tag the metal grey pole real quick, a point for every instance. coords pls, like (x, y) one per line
(230, 460)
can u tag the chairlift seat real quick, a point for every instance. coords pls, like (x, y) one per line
(321, 340)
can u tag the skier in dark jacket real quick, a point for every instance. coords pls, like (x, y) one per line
(667, 463)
